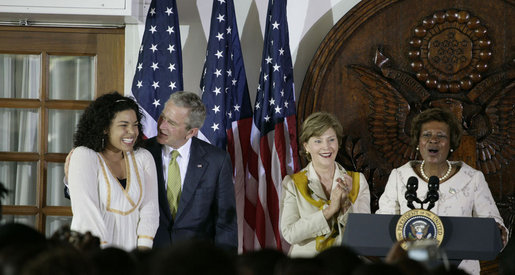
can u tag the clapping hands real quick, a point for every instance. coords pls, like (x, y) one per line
(338, 196)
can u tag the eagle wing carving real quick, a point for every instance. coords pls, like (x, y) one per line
(388, 119)
(496, 146)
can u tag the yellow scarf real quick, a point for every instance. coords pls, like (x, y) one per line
(301, 182)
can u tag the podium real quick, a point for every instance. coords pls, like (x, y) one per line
(464, 237)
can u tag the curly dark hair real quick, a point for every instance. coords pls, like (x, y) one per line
(440, 115)
(97, 118)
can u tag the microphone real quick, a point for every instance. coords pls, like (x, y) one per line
(411, 191)
(432, 192)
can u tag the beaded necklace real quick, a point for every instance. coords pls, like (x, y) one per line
(442, 178)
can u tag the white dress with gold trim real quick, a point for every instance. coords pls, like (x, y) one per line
(121, 217)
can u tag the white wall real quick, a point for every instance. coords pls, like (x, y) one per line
(309, 21)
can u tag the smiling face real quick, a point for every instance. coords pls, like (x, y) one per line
(323, 149)
(172, 126)
(434, 142)
(123, 131)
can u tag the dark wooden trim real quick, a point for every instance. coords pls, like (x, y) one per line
(20, 210)
(57, 211)
(20, 103)
(67, 104)
(18, 156)
(55, 157)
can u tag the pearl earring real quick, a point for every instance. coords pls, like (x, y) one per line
(452, 150)
(417, 148)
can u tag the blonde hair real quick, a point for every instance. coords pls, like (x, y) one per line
(316, 124)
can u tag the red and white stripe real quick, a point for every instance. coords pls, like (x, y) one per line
(272, 157)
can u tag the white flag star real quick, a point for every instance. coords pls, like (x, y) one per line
(281, 51)
(276, 67)
(170, 30)
(215, 126)
(278, 109)
(218, 72)
(275, 25)
(168, 11)
(154, 66)
(237, 107)
(153, 48)
(217, 90)
(220, 36)
(171, 67)
(156, 102)
(140, 66)
(153, 29)
(268, 60)
(139, 84)
(216, 109)
(272, 101)
(218, 54)
(220, 18)
(267, 118)
(152, 11)
(172, 85)
(171, 48)
(155, 84)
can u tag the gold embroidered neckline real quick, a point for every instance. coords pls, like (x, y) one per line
(103, 164)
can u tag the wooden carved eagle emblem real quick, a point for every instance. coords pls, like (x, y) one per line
(449, 55)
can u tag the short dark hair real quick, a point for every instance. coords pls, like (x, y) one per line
(441, 115)
(97, 118)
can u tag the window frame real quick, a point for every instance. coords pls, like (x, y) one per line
(108, 45)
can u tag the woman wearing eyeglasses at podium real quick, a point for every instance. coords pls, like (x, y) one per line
(463, 190)
(315, 201)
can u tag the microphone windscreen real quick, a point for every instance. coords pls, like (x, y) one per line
(412, 184)
(433, 183)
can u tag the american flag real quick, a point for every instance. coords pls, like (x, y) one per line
(273, 136)
(226, 96)
(159, 69)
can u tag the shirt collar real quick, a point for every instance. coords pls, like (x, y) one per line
(184, 150)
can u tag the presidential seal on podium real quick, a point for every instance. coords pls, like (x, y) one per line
(419, 224)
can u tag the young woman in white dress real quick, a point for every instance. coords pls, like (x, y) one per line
(112, 180)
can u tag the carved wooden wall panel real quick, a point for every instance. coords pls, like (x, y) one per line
(386, 61)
